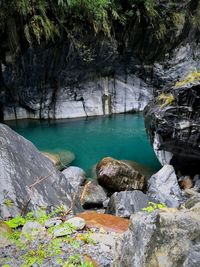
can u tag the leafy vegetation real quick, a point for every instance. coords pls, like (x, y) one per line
(154, 206)
(36, 250)
(165, 99)
(45, 20)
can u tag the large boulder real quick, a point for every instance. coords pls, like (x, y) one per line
(27, 178)
(75, 176)
(116, 175)
(163, 187)
(163, 238)
(125, 203)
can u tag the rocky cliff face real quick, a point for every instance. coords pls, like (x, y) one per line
(172, 121)
(120, 74)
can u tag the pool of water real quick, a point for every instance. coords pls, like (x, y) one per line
(121, 136)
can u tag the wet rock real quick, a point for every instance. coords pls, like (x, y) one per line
(143, 169)
(161, 238)
(163, 187)
(27, 177)
(106, 221)
(66, 157)
(92, 195)
(77, 223)
(5, 232)
(115, 175)
(75, 176)
(61, 159)
(124, 204)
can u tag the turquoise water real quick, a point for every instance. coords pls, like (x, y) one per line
(121, 136)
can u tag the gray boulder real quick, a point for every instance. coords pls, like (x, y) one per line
(166, 238)
(75, 176)
(125, 203)
(163, 187)
(27, 178)
(92, 195)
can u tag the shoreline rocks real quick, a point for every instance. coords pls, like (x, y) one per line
(163, 187)
(28, 179)
(115, 175)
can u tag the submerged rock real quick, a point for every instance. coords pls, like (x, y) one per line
(163, 187)
(60, 159)
(162, 238)
(124, 204)
(75, 176)
(53, 157)
(27, 178)
(116, 175)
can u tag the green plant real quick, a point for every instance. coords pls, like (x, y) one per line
(86, 238)
(8, 202)
(154, 206)
(165, 99)
(76, 261)
(16, 222)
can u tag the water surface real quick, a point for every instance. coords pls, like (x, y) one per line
(120, 136)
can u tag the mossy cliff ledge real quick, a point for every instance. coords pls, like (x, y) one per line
(172, 122)
(87, 64)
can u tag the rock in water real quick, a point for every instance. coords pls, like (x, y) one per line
(53, 157)
(75, 175)
(162, 238)
(163, 187)
(116, 175)
(124, 204)
(27, 178)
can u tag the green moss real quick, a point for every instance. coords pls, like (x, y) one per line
(154, 206)
(165, 99)
(8, 202)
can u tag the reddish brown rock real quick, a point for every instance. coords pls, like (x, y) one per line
(186, 183)
(106, 221)
(116, 175)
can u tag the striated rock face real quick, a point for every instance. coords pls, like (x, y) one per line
(162, 238)
(27, 178)
(53, 80)
(172, 122)
(116, 175)
(90, 97)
